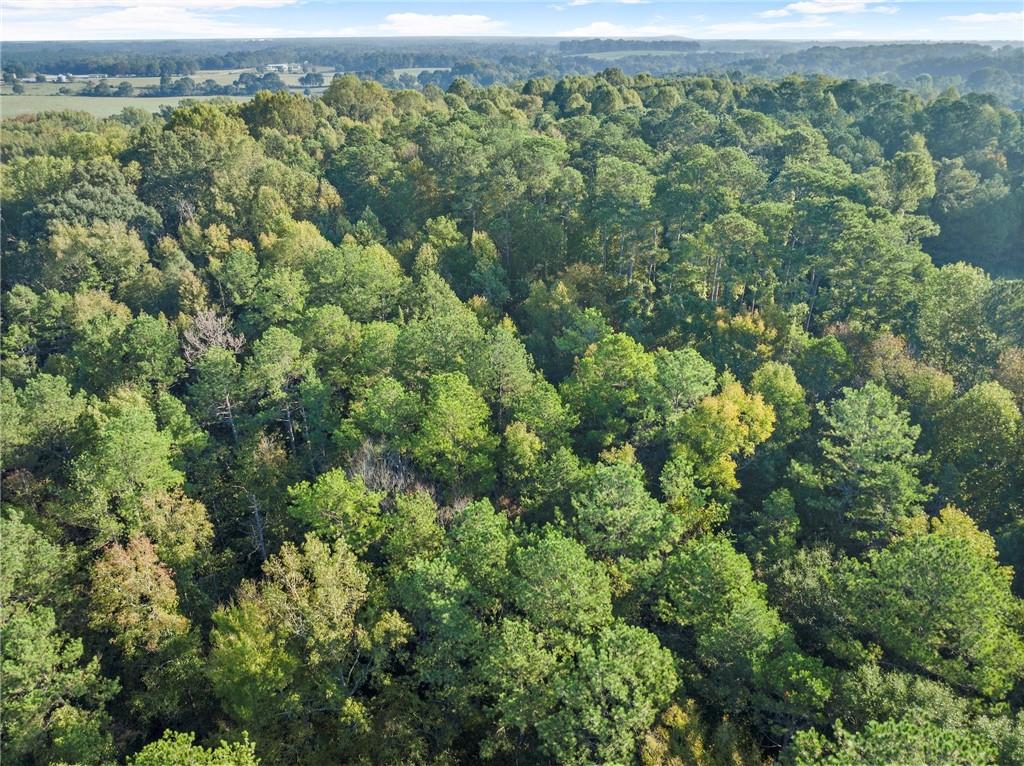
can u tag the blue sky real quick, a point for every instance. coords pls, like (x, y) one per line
(797, 20)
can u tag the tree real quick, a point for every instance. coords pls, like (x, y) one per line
(951, 323)
(300, 640)
(128, 459)
(104, 255)
(360, 100)
(890, 742)
(55, 696)
(134, 598)
(866, 483)
(151, 352)
(274, 373)
(558, 586)
(53, 701)
(613, 515)
(216, 394)
(591, 710)
(98, 189)
(454, 442)
(606, 389)
(747, 657)
(42, 420)
(312, 80)
(977, 446)
(937, 600)
(176, 748)
(338, 507)
(911, 175)
(778, 385)
(700, 475)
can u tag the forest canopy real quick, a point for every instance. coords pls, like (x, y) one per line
(609, 419)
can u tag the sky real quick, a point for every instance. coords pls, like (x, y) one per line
(765, 19)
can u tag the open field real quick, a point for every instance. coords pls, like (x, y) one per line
(11, 106)
(47, 96)
(220, 76)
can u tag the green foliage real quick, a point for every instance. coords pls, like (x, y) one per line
(338, 507)
(590, 421)
(892, 742)
(177, 747)
(866, 484)
(53, 701)
(938, 600)
(557, 585)
(613, 515)
(128, 459)
(454, 443)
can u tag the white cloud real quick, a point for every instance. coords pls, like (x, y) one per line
(818, 7)
(135, 23)
(821, 7)
(578, 3)
(729, 28)
(610, 29)
(987, 18)
(157, 5)
(431, 25)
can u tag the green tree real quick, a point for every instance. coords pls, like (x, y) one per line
(747, 657)
(557, 585)
(104, 255)
(606, 389)
(53, 700)
(128, 459)
(866, 483)
(891, 742)
(338, 507)
(454, 442)
(977, 446)
(298, 641)
(938, 601)
(951, 321)
(613, 514)
(177, 747)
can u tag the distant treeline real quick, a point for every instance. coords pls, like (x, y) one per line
(154, 58)
(925, 68)
(246, 85)
(598, 46)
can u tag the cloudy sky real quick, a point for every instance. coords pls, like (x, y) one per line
(804, 19)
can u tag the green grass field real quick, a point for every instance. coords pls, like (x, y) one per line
(220, 76)
(11, 106)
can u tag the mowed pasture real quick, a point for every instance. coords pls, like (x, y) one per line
(55, 96)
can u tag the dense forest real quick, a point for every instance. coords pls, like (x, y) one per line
(925, 68)
(606, 420)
